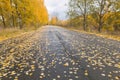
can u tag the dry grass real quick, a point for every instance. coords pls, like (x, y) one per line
(12, 32)
(109, 36)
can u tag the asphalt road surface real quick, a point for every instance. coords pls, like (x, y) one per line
(55, 53)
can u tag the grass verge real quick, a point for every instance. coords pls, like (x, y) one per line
(13, 32)
(104, 35)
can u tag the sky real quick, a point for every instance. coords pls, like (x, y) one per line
(57, 8)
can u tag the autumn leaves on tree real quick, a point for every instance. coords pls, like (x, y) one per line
(21, 13)
(95, 14)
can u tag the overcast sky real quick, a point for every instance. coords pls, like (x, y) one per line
(57, 7)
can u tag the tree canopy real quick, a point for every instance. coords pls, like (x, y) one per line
(20, 13)
(97, 14)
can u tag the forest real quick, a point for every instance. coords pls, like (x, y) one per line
(22, 13)
(94, 15)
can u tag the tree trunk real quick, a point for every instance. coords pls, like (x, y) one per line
(84, 23)
(3, 20)
(20, 25)
(99, 28)
(100, 22)
(85, 17)
(13, 20)
(101, 16)
(19, 18)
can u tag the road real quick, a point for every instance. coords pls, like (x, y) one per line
(55, 53)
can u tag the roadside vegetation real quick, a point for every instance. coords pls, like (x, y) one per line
(95, 15)
(104, 35)
(101, 17)
(13, 32)
(18, 16)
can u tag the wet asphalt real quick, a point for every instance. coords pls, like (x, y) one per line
(55, 53)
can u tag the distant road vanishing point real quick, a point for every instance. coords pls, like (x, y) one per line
(55, 53)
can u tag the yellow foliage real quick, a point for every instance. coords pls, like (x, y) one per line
(23, 12)
(54, 20)
(40, 11)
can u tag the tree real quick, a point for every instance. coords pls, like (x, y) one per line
(100, 9)
(54, 20)
(98, 14)
(79, 8)
(20, 13)
(4, 9)
(116, 14)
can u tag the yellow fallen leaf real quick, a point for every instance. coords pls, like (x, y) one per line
(86, 73)
(117, 65)
(117, 78)
(66, 64)
(12, 50)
